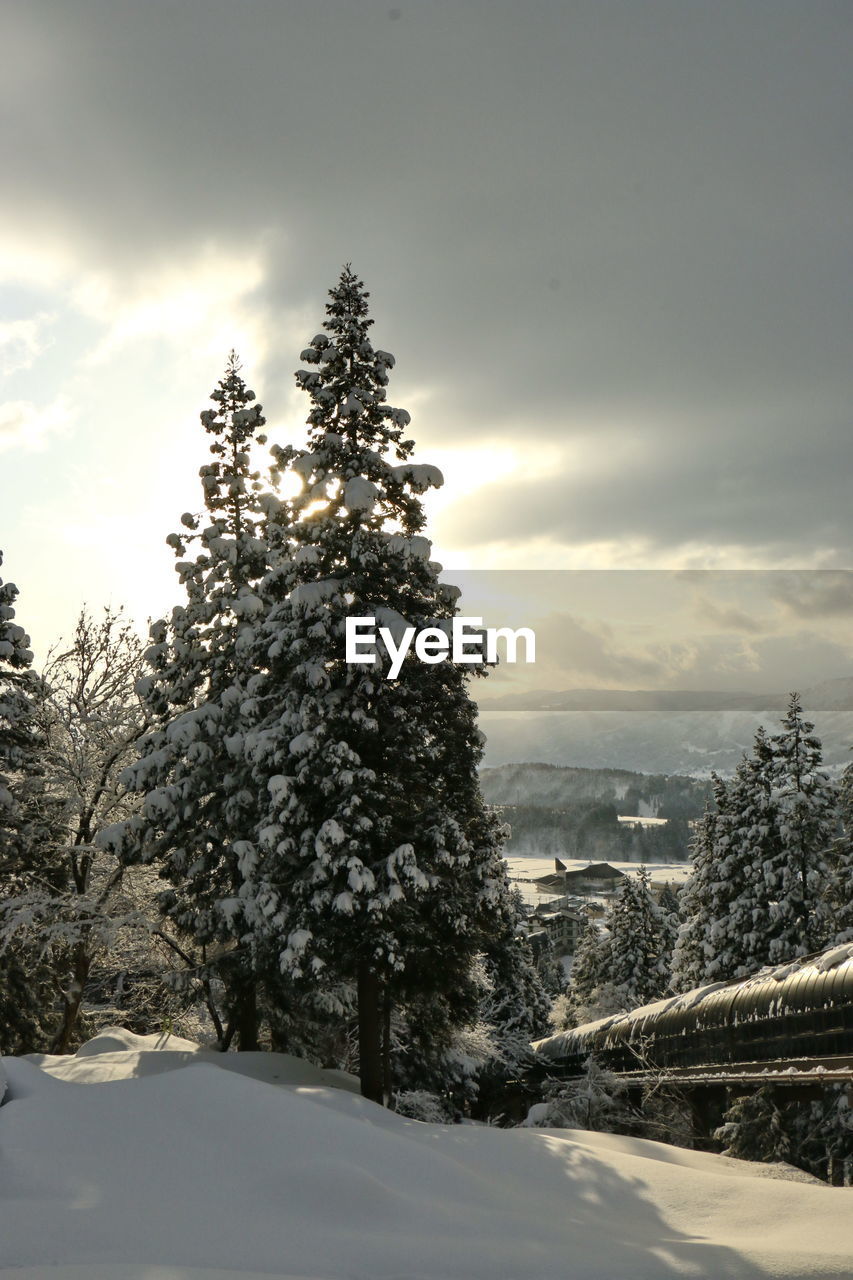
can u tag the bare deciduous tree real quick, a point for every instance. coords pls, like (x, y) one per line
(90, 721)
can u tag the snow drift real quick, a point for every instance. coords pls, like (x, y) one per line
(144, 1159)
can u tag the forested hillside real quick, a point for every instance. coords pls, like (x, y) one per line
(554, 786)
(575, 812)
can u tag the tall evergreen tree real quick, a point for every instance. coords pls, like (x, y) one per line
(626, 965)
(589, 974)
(693, 952)
(549, 966)
(798, 874)
(18, 687)
(638, 969)
(668, 900)
(723, 906)
(768, 875)
(669, 923)
(840, 888)
(197, 809)
(375, 857)
(515, 1007)
(28, 837)
(747, 839)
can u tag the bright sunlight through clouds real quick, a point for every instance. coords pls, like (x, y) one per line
(609, 247)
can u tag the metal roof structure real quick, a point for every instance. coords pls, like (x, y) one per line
(799, 1010)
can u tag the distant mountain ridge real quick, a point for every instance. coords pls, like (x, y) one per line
(553, 785)
(657, 732)
(830, 695)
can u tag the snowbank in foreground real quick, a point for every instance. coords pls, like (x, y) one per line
(203, 1170)
(118, 1054)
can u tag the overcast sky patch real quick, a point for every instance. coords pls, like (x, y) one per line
(613, 241)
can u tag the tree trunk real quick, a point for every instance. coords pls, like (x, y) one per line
(369, 1034)
(246, 1015)
(72, 1001)
(386, 1049)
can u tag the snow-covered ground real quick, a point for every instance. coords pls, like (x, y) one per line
(144, 1159)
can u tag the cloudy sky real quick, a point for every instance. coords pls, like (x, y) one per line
(761, 631)
(609, 242)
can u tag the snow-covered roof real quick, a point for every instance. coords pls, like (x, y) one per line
(748, 995)
(523, 867)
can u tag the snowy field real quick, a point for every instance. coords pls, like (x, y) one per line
(144, 1159)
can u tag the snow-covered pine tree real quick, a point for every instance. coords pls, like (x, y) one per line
(375, 857)
(669, 921)
(839, 897)
(516, 1007)
(768, 870)
(625, 965)
(798, 875)
(198, 808)
(18, 689)
(638, 967)
(821, 1135)
(723, 911)
(721, 934)
(668, 900)
(692, 951)
(595, 1101)
(747, 839)
(753, 1128)
(28, 836)
(589, 973)
(549, 966)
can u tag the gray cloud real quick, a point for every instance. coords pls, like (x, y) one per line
(695, 630)
(576, 652)
(730, 618)
(816, 595)
(580, 652)
(575, 220)
(782, 490)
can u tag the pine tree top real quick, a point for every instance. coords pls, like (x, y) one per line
(14, 642)
(353, 480)
(348, 387)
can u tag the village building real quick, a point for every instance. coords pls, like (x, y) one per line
(596, 880)
(561, 921)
